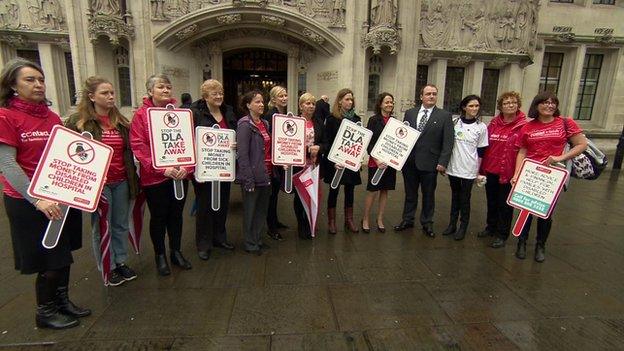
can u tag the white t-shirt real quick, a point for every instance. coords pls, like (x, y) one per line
(464, 161)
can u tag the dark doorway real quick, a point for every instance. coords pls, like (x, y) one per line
(248, 69)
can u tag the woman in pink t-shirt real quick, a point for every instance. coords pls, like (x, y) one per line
(544, 139)
(98, 115)
(25, 126)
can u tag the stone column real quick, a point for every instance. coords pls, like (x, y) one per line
(7, 52)
(407, 57)
(437, 76)
(216, 60)
(568, 95)
(473, 76)
(292, 83)
(512, 77)
(53, 64)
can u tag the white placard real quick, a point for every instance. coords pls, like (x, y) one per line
(216, 159)
(288, 140)
(72, 170)
(395, 143)
(350, 145)
(171, 134)
(537, 188)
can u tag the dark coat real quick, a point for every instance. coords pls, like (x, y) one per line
(376, 125)
(435, 144)
(321, 111)
(250, 168)
(93, 127)
(203, 118)
(332, 124)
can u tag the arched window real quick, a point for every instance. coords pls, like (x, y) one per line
(124, 85)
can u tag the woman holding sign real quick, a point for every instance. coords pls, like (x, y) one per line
(98, 115)
(25, 125)
(384, 109)
(165, 209)
(314, 150)
(210, 225)
(278, 103)
(543, 139)
(254, 169)
(344, 107)
(471, 139)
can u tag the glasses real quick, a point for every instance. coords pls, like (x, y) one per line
(548, 103)
(213, 94)
(510, 103)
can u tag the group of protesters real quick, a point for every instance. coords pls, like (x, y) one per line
(464, 148)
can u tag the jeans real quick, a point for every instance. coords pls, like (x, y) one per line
(255, 207)
(118, 196)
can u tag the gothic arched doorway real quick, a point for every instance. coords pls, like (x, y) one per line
(247, 69)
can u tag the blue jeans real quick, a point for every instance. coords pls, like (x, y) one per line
(118, 196)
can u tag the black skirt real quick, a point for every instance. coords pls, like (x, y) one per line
(28, 226)
(387, 181)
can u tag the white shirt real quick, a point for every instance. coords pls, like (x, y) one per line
(421, 114)
(464, 161)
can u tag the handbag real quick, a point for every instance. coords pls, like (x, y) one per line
(587, 165)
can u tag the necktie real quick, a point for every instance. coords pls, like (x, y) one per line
(423, 121)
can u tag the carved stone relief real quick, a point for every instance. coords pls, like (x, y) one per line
(315, 37)
(187, 32)
(175, 72)
(106, 19)
(272, 21)
(327, 75)
(16, 41)
(508, 26)
(424, 57)
(229, 19)
(383, 30)
(47, 15)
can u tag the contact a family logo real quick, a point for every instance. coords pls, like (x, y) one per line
(289, 127)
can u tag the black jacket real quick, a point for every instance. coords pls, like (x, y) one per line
(332, 124)
(203, 118)
(435, 144)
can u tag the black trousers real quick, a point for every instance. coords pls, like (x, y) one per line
(427, 181)
(210, 224)
(461, 190)
(543, 229)
(271, 218)
(499, 214)
(332, 198)
(166, 215)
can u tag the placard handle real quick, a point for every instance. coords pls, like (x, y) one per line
(337, 177)
(520, 222)
(377, 176)
(288, 175)
(216, 195)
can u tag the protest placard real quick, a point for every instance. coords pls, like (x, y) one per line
(350, 145)
(216, 159)
(288, 138)
(171, 135)
(72, 170)
(395, 144)
(536, 191)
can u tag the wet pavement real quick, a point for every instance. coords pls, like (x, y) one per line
(391, 291)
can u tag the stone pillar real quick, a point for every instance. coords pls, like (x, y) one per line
(512, 77)
(473, 77)
(292, 83)
(216, 60)
(407, 57)
(53, 64)
(7, 52)
(568, 95)
(437, 77)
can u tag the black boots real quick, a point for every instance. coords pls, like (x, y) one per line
(67, 307)
(179, 260)
(49, 316)
(521, 249)
(162, 265)
(540, 251)
(460, 234)
(451, 229)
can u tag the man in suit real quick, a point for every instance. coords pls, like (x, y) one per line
(430, 156)
(321, 112)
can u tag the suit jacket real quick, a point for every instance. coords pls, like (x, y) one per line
(321, 111)
(435, 144)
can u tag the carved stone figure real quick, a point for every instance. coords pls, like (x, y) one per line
(51, 14)
(435, 30)
(384, 12)
(505, 29)
(158, 9)
(9, 13)
(105, 7)
(338, 13)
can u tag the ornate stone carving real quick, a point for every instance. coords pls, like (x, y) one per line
(63, 43)
(104, 7)
(382, 36)
(605, 39)
(157, 8)
(339, 11)
(272, 21)
(508, 26)
(229, 19)
(9, 14)
(384, 13)
(499, 62)
(187, 32)
(566, 37)
(327, 75)
(315, 37)
(16, 41)
(52, 14)
(462, 60)
(112, 27)
(424, 57)
(47, 15)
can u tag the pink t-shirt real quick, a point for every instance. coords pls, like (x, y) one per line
(542, 140)
(112, 137)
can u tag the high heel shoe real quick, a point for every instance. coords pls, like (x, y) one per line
(381, 228)
(365, 230)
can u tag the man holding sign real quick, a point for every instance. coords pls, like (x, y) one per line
(430, 156)
(543, 140)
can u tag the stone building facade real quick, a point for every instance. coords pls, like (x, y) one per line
(572, 47)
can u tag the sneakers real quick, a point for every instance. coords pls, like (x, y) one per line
(120, 275)
(126, 272)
